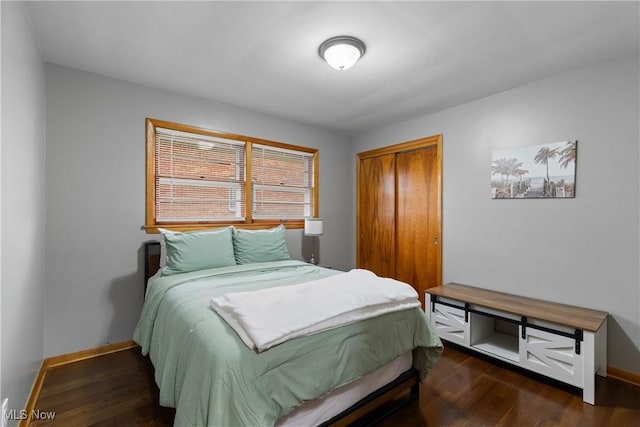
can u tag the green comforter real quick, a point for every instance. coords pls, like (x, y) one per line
(206, 372)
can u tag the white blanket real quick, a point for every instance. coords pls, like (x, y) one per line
(271, 316)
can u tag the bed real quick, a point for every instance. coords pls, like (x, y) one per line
(205, 370)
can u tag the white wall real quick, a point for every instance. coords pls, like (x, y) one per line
(23, 209)
(96, 197)
(581, 251)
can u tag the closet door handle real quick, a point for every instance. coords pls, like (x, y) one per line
(435, 240)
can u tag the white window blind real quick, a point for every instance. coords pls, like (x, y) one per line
(198, 178)
(282, 181)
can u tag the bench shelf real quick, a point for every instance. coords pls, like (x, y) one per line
(563, 342)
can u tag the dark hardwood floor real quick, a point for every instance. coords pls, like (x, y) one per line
(463, 390)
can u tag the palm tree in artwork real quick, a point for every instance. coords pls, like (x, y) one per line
(568, 154)
(500, 166)
(514, 167)
(506, 168)
(544, 155)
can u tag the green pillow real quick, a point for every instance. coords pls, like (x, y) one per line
(198, 250)
(252, 246)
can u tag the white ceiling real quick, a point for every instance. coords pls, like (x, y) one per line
(421, 57)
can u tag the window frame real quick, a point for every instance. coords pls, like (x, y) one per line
(152, 225)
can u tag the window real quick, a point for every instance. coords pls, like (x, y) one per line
(197, 178)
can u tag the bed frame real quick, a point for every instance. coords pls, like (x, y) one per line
(369, 410)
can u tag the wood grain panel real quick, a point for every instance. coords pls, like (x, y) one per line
(376, 215)
(622, 375)
(568, 315)
(418, 230)
(413, 211)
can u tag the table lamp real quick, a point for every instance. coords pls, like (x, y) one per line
(313, 228)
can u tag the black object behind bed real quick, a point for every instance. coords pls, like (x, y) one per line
(151, 259)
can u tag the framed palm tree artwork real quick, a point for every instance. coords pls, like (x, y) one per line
(546, 171)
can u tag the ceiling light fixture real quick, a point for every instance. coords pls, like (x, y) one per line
(342, 52)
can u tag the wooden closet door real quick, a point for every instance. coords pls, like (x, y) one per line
(376, 215)
(418, 218)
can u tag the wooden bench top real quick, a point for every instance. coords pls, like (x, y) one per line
(562, 314)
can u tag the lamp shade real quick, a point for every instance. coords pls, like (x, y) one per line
(313, 226)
